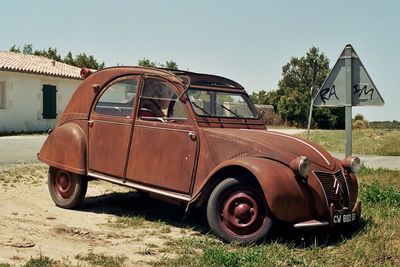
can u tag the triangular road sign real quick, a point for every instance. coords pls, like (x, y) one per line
(334, 91)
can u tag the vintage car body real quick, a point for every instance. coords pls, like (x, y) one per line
(217, 153)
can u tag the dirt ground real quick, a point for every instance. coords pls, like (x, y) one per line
(114, 222)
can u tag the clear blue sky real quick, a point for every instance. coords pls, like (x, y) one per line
(248, 41)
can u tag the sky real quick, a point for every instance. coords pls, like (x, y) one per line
(247, 41)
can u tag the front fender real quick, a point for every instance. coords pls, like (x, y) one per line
(65, 148)
(288, 199)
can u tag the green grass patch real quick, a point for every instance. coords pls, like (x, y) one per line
(103, 260)
(41, 261)
(383, 176)
(365, 141)
(124, 222)
(383, 195)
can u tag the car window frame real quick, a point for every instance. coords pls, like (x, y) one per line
(247, 99)
(106, 87)
(180, 120)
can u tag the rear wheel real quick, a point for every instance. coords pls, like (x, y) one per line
(67, 189)
(236, 211)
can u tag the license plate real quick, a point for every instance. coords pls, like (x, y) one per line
(344, 218)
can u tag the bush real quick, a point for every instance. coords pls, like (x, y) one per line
(359, 117)
(360, 124)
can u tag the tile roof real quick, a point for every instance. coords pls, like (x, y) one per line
(11, 61)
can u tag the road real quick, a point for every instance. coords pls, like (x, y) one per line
(22, 149)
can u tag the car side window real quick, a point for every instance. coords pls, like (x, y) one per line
(158, 99)
(117, 99)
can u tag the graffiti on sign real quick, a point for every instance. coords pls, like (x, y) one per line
(327, 93)
(362, 90)
(348, 74)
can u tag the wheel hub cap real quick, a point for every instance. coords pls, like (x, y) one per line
(64, 185)
(241, 213)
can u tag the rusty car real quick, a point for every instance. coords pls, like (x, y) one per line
(196, 139)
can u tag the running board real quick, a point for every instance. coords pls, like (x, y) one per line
(311, 224)
(140, 186)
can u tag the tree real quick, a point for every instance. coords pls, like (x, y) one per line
(169, 64)
(145, 62)
(263, 97)
(84, 61)
(28, 49)
(292, 98)
(15, 49)
(81, 60)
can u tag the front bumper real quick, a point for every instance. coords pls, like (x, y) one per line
(341, 217)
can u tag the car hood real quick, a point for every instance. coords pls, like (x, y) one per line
(229, 143)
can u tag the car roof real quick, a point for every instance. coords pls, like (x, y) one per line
(82, 99)
(203, 79)
(196, 79)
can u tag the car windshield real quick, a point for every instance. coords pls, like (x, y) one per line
(221, 104)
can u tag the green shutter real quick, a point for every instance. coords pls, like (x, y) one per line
(49, 102)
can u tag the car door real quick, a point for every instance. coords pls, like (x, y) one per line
(110, 127)
(164, 144)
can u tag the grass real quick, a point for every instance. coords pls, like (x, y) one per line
(375, 242)
(366, 141)
(32, 173)
(103, 260)
(41, 261)
(124, 222)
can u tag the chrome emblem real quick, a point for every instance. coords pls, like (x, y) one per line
(338, 190)
(337, 186)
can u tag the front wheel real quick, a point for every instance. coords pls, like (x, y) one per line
(236, 211)
(67, 189)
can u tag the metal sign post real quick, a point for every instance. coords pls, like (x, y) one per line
(348, 84)
(348, 109)
(314, 81)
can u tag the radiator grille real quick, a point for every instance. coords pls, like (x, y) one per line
(335, 188)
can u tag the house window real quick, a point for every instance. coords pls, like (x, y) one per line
(49, 101)
(2, 95)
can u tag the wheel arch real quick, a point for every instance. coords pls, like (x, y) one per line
(287, 198)
(221, 174)
(65, 148)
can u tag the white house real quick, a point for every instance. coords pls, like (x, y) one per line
(33, 91)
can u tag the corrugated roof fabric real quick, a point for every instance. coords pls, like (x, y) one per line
(36, 64)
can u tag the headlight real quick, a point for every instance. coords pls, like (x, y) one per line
(300, 166)
(352, 163)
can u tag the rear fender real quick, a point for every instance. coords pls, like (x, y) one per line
(65, 148)
(288, 199)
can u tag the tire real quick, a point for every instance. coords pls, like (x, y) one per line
(67, 189)
(236, 211)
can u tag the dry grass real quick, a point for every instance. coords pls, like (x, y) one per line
(31, 173)
(375, 242)
(365, 141)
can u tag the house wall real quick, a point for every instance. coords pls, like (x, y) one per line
(24, 100)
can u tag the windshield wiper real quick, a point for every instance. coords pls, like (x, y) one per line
(234, 113)
(197, 106)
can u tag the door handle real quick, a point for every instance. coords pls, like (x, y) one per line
(192, 136)
(90, 123)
